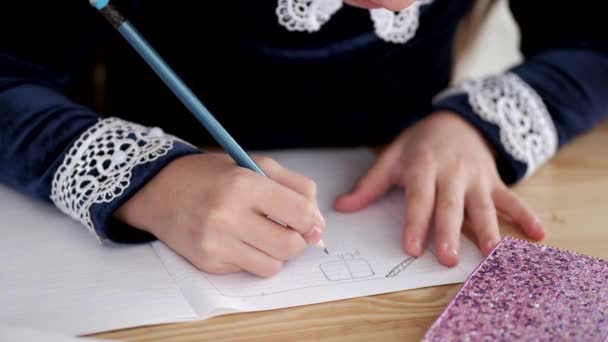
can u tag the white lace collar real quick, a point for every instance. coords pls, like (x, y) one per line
(310, 15)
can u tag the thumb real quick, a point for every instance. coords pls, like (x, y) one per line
(370, 187)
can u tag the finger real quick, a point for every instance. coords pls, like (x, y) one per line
(221, 269)
(273, 239)
(419, 200)
(449, 213)
(207, 255)
(376, 181)
(502, 216)
(287, 206)
(295, 181)
(520, 214)
(482, 215)
(253, 260)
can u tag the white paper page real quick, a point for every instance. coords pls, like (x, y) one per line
(14, 334)
(197, 290)
(366, 254)
(55, 276)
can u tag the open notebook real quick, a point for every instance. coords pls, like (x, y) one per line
(55, 276)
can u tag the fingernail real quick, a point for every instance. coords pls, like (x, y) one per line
(313, 236)
(450, 251)
(453, 252)
(538, 225)
(490, 245)
(416, 244)
(540, 231)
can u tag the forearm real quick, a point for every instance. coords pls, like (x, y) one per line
(58, 151)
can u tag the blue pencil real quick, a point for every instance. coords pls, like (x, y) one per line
(179, 88)
(176, 85)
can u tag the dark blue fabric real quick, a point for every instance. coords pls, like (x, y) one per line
(38, 124)
(271, 88)
(566, 62)
(570, 82)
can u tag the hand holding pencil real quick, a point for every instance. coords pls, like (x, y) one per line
(284, 202)
(214, 213)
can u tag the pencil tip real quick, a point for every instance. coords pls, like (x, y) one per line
(326, 251)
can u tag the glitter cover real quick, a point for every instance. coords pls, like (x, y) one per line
(526, 291)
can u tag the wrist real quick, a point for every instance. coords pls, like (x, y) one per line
(454, 117)
(145, 210)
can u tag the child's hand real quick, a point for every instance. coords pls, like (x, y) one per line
(215, 214)
(448, 172)
(393, 5)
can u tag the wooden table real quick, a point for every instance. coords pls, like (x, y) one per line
(570, 194)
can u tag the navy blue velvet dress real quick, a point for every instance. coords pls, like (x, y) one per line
(272, 88)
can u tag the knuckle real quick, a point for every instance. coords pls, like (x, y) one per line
(214, 267)
(448, 203)
(215, 216)
(417, 196)
(293, 245)
(240, 180)
(499, 191)
(199, 234)
(462, 168)
(271, 269)
(485, 206)
(211, 209)
(263, 160)
(208, 250)
(459, 167)
(202, 264)
(307, 212)
(310, 187)
(424, 157)
(268, 164)
(506, 196)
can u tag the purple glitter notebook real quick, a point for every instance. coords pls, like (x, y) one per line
(526, 291)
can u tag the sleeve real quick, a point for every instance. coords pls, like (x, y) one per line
(557, 93)
(57, 151)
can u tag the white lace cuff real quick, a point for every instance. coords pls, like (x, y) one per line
(310, 15)
(98, 167)
(527, 131)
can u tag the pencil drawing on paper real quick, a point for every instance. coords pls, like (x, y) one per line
(346, 269)
(350, 266)
(345, 255)
(400, 267)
